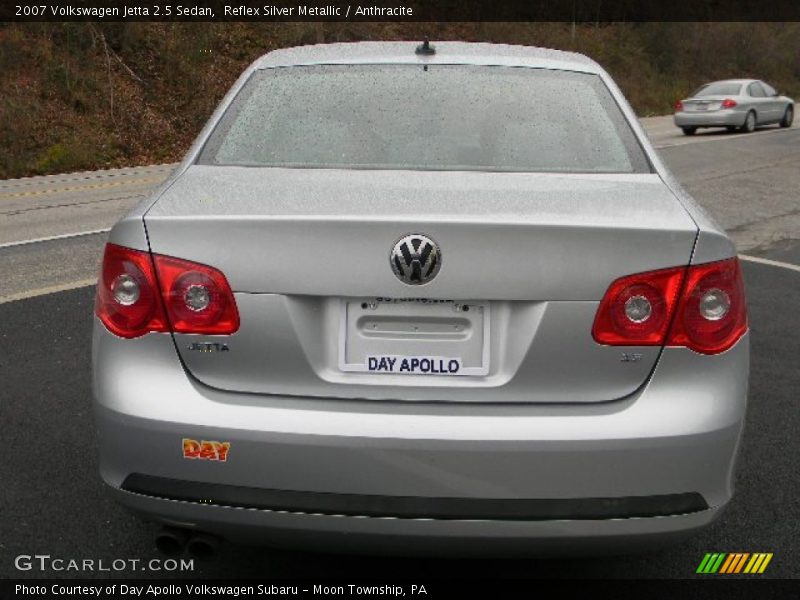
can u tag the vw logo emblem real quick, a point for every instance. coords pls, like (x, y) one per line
(415, 259)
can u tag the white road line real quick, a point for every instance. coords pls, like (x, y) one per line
(53, 289)
(686, 140)
(64, 236)
(771, 263)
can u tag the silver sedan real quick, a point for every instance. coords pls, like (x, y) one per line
(742, 104)
(435, 299)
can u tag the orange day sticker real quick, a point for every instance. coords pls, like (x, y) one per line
(205, 450)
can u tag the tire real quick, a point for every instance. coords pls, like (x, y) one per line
(689, 130)
(788, 117)
(749, 125)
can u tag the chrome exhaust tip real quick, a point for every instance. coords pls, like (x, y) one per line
(171, 541)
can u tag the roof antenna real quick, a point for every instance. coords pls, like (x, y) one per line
(425, 49)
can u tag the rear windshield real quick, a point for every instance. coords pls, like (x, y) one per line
(444, 117)
(718, 89)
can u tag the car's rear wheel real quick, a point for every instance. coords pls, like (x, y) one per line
(749, 123)
(788, 117)
(689, 130)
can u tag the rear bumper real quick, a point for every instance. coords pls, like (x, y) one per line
(339, 474)
(421, 537)
(412, 507)
(718, 118)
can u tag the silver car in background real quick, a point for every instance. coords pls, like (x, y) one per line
(742, 104)
(425, 299)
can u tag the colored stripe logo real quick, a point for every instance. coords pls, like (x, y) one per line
(734, 562)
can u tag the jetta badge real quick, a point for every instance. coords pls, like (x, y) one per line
(415, 259)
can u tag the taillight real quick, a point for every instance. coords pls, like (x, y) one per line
(127, 299)
(704, 304)
(637, 309)
(728, 103)
(679, 105)
(712, 314)
(135, 288)
(198, 297)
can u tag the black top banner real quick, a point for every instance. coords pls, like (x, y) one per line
(578, 11)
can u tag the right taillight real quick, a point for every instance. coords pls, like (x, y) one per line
(701, 307)
(138, 293)
(728, 103)
(712, 313)
(679, 106)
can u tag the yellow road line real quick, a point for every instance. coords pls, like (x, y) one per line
(77, 188)
(48, 290)
(85, 175)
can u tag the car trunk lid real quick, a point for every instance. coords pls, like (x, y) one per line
(704, 103)
(306, 249)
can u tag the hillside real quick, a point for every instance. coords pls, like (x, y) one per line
(85, 96)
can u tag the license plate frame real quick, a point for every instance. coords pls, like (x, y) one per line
(446, 330)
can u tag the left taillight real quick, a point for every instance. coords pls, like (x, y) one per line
(127, 300)
(137, 294)
(198, 297)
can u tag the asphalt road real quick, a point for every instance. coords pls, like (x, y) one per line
(52, 501)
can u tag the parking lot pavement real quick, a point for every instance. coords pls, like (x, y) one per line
(54, 503)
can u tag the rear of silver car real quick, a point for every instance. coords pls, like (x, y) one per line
(735, 104)
(710, 112)
(412, 301)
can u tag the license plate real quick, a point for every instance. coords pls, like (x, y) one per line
(414, 365)
(701, 107)
(423, 337)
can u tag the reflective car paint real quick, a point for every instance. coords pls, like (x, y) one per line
(574, 429)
